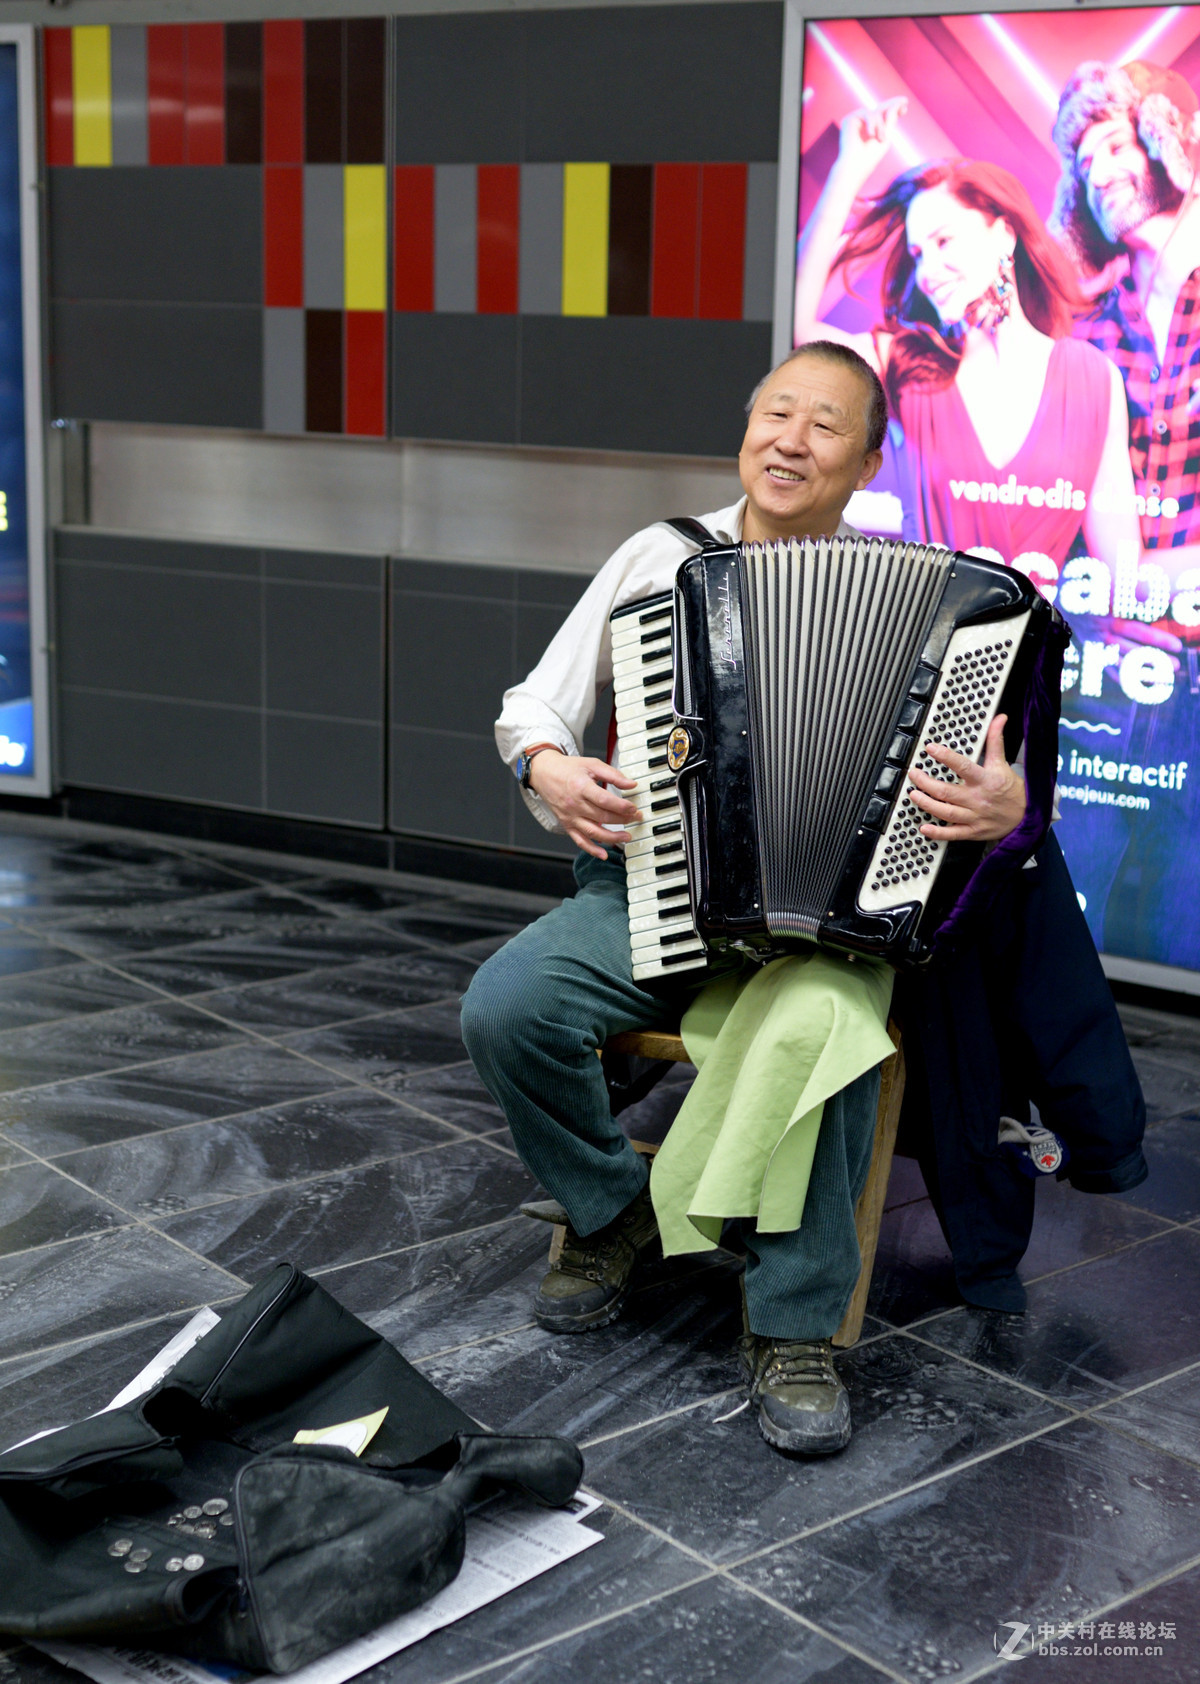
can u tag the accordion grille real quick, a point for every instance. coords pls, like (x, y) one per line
(835, 628)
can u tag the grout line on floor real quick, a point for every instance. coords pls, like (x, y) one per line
(951, 1472)
(1165, 1578)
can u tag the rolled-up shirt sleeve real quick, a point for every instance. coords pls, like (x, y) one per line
(557, 702)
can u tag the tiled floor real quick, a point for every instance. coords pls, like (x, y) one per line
(211, 1060)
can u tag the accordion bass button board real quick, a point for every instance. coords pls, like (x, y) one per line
(771, 708)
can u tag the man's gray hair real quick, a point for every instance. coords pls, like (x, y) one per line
(828, 350)
(1102, 93)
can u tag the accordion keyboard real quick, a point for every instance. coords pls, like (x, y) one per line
(662, 933)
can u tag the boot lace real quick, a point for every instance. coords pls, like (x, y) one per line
(800, 1362)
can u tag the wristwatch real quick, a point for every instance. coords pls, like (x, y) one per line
(525, 759)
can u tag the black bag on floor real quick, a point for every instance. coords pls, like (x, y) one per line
(190, 1521)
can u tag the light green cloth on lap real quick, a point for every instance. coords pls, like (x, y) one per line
(771, 1047)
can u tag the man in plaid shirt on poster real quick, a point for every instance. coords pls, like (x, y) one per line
(1128, 210)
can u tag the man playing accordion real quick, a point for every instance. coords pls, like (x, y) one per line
(537, 1011)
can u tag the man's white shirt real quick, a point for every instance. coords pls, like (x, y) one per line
(557, 702)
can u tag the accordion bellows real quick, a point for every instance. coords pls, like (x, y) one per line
(771, 707)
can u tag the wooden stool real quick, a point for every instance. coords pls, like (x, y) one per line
(665, 1048)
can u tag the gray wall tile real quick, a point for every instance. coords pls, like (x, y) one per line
(192, 235)
(675, 386)
(283, 371)
(324, 237)
(122, 549)
(178, 365)
(454, 216)
(636, 84)
(458, 89)
(452, 661)
(156, 747)
(549, 589)
(541, 237)
(325, 769)
(454, 578)
(128, 71)
(758, 285)
(452, 786)
(324, 650)
(314, 567)
(455, 377)
(166, 634)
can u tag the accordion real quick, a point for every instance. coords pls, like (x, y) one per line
(770, 707)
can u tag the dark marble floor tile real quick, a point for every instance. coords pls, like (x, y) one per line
(711, 1633)
(906, 1184)
(1070, 1227)
(715, 1486)
(1172, 1188)
(39, 1205)
(913, 1274)
(448, 1292)
(54, 1052)
(1159, 1031)
(331, 996)
(83, 1288)
(50, 1388)
(65, 991)
(1089, 1332)
(1044, 1531)
(244, 959)
(351, 894)
(671, 1348)
(21, 952)
(97, 1109)
(452, 923)
(169, 881)
(1159, 1657)
(359, 1213)
(630, 1566)
(1171, 1084)
(455, 1095)
(130, 930)
(1167, 1414)
(180, 1169)
(372, 1049)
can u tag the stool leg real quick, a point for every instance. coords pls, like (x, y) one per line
(557, 1237)
(868, 1212)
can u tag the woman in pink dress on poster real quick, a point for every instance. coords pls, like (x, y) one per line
(1016, 435)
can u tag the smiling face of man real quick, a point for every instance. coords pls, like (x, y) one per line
(805, 450)
(1122, 185)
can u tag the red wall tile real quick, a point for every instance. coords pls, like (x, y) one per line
(60, 107)
(722, 241)
(204, 103)
(365, 372)
(675, 239)
(283, 236)
(165, 59)
(498, 238)
(412, 222)
(283, 91)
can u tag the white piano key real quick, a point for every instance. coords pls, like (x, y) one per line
(650, 874)
(650, 921)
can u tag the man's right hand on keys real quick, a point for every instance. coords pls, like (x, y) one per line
(573, 787)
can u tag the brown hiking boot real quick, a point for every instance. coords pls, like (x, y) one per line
(588, 1280)
(803, 1407)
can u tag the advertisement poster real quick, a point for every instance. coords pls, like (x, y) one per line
(22, 667)
(1002, 213)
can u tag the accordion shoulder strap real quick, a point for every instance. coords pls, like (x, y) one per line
(694, 531)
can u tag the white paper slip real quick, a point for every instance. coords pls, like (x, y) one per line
(507, 1546)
